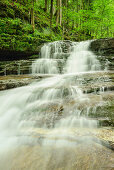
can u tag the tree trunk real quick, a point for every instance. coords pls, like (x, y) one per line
(32, 16)
(57, 16)
(60, 12)
(82, 5)
(46, 5)
(51, 13)
(65, 2)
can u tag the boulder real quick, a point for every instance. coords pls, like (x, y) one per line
(103, 46)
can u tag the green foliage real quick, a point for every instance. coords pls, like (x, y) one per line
(81, 20)
(94, 20)
(14, 34)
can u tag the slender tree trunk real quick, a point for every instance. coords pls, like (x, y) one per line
(82, 4)
(65, 2)
(64, 22)
(51, 13)
(32, 16)
(57, 16)
(87, 5)
(60, 12)
(46, 5)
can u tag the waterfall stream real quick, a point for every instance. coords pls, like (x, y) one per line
(45, 125)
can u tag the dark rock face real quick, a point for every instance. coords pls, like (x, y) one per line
(103, 46)
(7, 55)
(104, 49)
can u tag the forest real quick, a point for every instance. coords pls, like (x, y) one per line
(56, 85)
(25, 24)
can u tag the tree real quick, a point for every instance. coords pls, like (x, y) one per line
(65, 3)
(32, 15)
(59, 13)
(51, 13)
(30, 5)
(46, 5)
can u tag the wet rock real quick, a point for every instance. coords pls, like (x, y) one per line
(13, 81)
(63, 46)
(107, 62)
(9, 84)
(15, 67)
(103, 46)
(104, 49)
(96, 86)
(105, 112)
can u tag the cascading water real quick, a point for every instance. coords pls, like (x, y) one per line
(39, 123)
(52, 57)
(46, 64)
(81, 59)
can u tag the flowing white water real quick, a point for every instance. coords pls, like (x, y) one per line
(81, 59)
(54, 106)
(46, 64)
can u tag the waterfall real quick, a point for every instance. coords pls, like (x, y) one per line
(54, 107)
(81, 59)
(45, 64)
(52, 57)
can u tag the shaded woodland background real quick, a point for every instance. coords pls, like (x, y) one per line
(26, 24)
